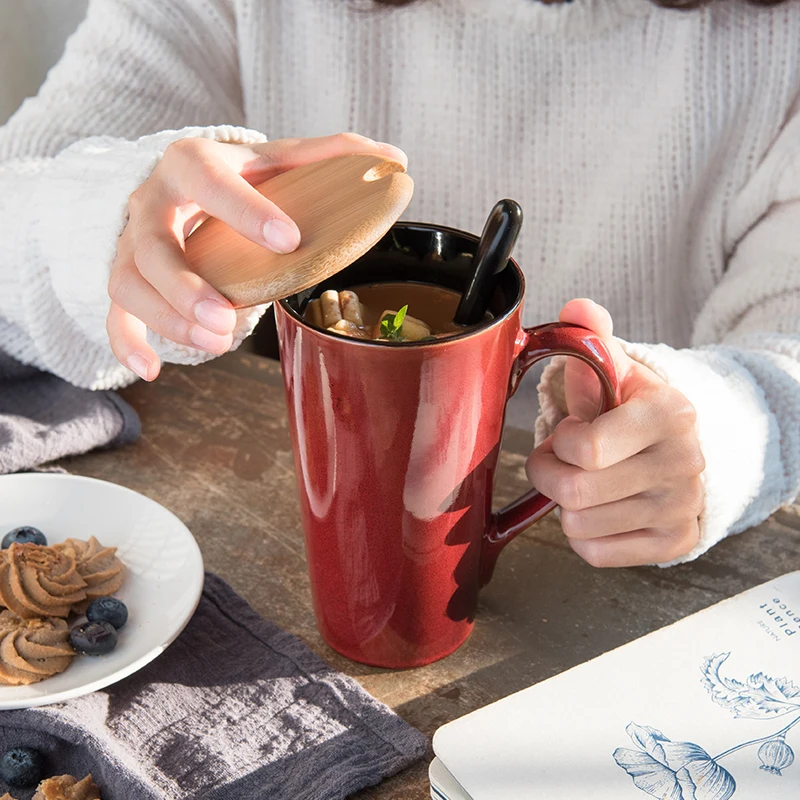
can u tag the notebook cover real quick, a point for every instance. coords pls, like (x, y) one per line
(443, 785)
(705, 709)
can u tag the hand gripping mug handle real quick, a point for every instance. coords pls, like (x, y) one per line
(553, 339)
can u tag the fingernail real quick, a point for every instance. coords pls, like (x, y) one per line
(281, 237)
(139, 364)
(214, 316)
(206, 340)
(395, 152)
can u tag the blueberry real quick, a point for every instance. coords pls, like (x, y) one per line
(22, 767)
(24, 535)
(108, 609)
(94, 638)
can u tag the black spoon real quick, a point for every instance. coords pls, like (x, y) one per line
(491, 257)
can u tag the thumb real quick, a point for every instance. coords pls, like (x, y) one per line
(588, 314)
(581, 386)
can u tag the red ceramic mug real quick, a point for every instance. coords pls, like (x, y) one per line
(395, 448)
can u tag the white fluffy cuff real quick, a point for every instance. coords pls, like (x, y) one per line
(83, 202)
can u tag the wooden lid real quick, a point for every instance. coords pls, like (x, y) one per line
(342, 206)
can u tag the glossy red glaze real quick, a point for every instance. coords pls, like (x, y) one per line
(395, 449)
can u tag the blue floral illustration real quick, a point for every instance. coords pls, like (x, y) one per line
(759, 697)
(672, 770)
(775, 755)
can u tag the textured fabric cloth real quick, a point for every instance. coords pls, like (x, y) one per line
(655, 152)
(43, 418)
(235, 709)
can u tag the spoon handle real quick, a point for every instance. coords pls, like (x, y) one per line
(494, 249)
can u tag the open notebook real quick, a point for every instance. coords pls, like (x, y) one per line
(705, 709)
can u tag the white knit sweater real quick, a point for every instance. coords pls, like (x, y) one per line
(656, 155)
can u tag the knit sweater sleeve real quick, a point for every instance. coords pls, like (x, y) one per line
(743, 371)
(136, 76)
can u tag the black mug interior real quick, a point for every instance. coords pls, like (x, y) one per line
(421, 253)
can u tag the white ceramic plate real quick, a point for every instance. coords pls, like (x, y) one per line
(163, 578)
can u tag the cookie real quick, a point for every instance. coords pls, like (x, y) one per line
(65, 787)
(32, 649)
(97, 565)
(38, 581)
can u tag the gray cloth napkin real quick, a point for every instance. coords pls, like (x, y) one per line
(43, 418)
(235, 709)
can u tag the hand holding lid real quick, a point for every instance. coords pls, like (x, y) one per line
(342, 206)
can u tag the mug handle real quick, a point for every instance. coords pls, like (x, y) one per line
(543, 341)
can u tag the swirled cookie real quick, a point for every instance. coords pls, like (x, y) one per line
(97, 565)
(32, 649)
(38, 581)
(65, 787)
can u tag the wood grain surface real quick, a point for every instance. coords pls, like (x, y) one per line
(342, 207)
(215, 450)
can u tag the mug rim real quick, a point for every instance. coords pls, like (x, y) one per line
(474, 331)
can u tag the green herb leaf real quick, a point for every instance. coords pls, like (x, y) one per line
(392, 325)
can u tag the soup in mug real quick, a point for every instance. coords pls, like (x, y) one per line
(390, 312)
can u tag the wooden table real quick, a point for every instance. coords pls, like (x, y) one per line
(216, 451)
